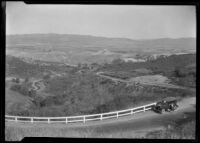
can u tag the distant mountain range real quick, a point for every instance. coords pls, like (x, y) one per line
(75, 49)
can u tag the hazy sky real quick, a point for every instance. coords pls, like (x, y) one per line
(130, 21)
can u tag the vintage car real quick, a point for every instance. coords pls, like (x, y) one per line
(167, 104)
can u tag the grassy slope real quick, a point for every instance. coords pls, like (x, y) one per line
(15, 101)
(75, 92)
(180, 69)
(17, 133)
(182, 129)
(13, 133)
(17, 67)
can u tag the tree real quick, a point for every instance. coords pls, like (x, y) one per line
(47, 102)
(38, 101)
(79, 65)
(32, 93)
(17, 80)
(180, 72)
(24, 90)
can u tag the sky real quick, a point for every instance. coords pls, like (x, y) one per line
(124, 21)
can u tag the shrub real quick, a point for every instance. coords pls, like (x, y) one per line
(16, 80)
(32, 93)
(38, 101)
(16, 87)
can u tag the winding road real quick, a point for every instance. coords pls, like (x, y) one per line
(38, 85)
(138, 124)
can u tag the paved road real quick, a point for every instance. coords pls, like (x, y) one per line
(133, 126)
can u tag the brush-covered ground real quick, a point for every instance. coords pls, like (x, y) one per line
(78, 90)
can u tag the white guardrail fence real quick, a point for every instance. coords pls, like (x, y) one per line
(83, 118)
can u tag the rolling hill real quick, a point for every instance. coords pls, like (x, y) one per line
(76, 49)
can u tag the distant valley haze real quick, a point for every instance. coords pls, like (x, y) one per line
(98, 33)
(76, 49)
(120, 21)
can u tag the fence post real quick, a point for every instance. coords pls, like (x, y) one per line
(144, 108)
(131, 111)
(83, 119)
(31, 119)
(101, 117)
(48, 120)
(66, 120)
(15, 119)
(117, 114)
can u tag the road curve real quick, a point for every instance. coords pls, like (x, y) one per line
(36, 86)
(141, 121)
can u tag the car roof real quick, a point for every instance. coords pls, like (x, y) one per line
(170, 99)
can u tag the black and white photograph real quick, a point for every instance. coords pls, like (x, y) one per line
(100, 71)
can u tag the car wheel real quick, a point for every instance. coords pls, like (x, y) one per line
(175, 107)
(162, 110)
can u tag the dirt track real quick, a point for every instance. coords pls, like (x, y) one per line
(153, 80)
(38, 85)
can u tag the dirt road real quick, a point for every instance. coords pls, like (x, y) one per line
(138, 124)
(143, 80)
(38, 85)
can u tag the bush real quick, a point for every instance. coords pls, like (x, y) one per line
(38, 101)
(16, 80)
(23, 89)
(16, 87)
(32, 93)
